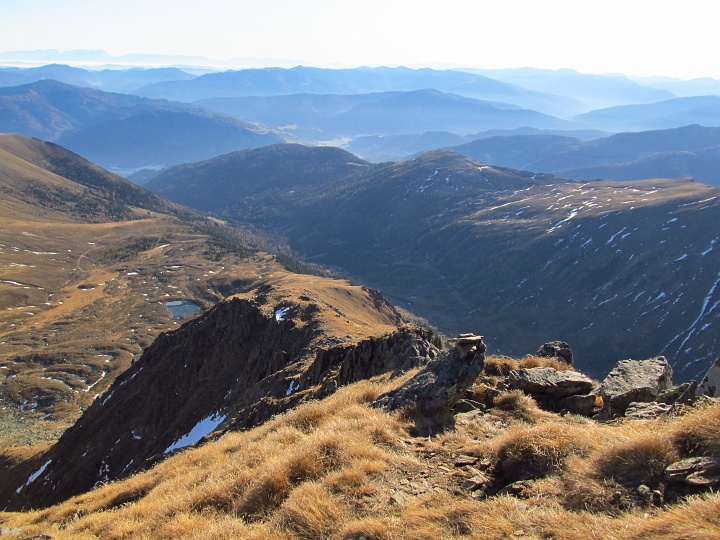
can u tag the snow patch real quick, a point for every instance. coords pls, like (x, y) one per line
(34, 476)
(292, 388)
(203, 427)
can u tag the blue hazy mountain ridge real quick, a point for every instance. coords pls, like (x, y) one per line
(46, 109)
(383, 113)
(690, 151)
(379, 148)
(703, 110)
(110, 80)
(703, 86)
(301, 80)
(597, 91)
(164, 138)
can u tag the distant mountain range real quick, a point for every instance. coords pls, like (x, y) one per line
(164, 138)
(109, 80)
(122, 131)
(613, 268)
(689, 152)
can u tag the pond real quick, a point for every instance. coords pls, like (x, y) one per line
(179, 309)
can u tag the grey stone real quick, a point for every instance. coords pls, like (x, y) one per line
(550, 382)
(474, 483)
(683, 394)
(556, 349)
(710, 383)
(634, 380)
(697, 472)
(583, 405)
(645, 410)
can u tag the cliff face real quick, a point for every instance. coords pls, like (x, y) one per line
(232, 368)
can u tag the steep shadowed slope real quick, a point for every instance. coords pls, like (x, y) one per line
(615, 269)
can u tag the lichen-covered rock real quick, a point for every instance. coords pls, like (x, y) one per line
(634, 380)
(550, 382)
(556, 349)
(710, 384)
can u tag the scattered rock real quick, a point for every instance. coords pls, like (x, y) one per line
(467, 405)
(399, 497)
(647, 410)
(474, 483)
(463, 460)
(698, 472)
(634, 381)
(556, 349)
(550, 382)
(516, 488)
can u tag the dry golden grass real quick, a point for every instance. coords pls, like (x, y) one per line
(523, 453)
(333, 468)
(538, 361)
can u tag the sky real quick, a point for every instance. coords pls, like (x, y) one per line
(677, 38)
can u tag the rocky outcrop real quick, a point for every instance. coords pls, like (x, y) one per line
(233, 367)
(556, 349)
(550, 382)
(634, 380)
(435, 390)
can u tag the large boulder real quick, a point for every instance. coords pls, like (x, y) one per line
(556, 349)
(550, 382)
(435, 390)
(634, 380)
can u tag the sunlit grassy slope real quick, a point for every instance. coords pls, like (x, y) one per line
(339, 469)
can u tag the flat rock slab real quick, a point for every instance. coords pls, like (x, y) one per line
(647, 410)
(697, 471)
(550, 382)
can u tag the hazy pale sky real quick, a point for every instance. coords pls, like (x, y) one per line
(678, 38)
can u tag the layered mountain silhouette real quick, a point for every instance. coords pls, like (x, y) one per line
(515, 255)
(689, 151)
(302, 80)
(164, 138)
(122, 131)
(109, 80)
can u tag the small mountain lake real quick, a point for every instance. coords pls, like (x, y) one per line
(179, 309)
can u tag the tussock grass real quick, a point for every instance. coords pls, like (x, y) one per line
(518, 405)
(526, 453)
(332, 469)
(539, 361)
